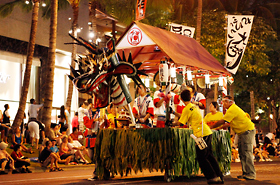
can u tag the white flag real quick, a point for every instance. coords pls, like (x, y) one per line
(182, 30)
(238, 31)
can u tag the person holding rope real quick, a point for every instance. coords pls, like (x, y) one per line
(245, 129)
(207, 162)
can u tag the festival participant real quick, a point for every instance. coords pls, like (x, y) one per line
(245, 129)
(143, 107)
(64, 150)
(160, 100)
(214, 115)
(198, 99)
(112, 116)
(207, 162)
(54, 133)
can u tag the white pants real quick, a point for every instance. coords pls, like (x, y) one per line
(33, 127)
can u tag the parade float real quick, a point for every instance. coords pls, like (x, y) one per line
(101, 73)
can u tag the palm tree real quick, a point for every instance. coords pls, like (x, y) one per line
(48, 96)
(75, 7)
(5, 10)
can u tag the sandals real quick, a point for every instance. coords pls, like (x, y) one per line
(52, 169)
(59, 169)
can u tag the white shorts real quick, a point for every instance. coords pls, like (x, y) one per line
(33, 128)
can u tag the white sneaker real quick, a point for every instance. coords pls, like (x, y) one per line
(261, 160)
(268, 159)
(237, 160)
(227, 173)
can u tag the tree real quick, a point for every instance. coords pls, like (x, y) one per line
(48, 96)
(75, 7)
(5, 10)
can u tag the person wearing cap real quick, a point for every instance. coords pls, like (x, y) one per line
(245, 130)
(206, 160)
(5, 159)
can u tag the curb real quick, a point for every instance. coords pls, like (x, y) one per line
(38, 169)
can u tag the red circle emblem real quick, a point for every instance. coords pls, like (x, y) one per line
(134, 36)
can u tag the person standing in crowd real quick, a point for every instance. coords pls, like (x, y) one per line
(75, 122)
(33, 113)
(112, 117)
(2, 130)
(63, 120)
(81, 113)
(6, 123)
(68, 122)
(207, 162)
(143, 107)
(198, 99)
(245, 130)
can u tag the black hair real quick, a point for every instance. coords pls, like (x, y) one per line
(62, 112)
(6, 106)
(16, 147)
(215, 104)
(64, 128)
(47, 143)
(76, 113)
(74, 129)
(186, 95)
(32, 100)
(89, 100)
(53, 125)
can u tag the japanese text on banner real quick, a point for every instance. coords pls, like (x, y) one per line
(140, 9)
(238, 31)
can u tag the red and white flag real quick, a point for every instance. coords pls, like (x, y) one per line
(140, 9)
(238, 31)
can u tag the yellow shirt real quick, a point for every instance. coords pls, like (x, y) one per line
(191, 115)
(210, 119)
(111, 119)
(238, 119)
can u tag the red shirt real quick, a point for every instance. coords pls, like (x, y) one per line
(75, 122)
(16, 156)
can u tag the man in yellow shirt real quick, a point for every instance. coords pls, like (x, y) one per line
(245, 129)
(191, 115)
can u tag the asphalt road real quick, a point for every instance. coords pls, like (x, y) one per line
(268, 173)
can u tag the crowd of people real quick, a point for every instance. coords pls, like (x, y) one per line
(69, 141)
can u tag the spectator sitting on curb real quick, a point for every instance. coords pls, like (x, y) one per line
(77, 149)
(6, 161)
(48, 157)
(20, 160)
(54, 133)
(55, 150)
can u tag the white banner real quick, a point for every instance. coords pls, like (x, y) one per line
(182, 30)
(238, 31)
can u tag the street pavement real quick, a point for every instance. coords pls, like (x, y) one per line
(268, 173)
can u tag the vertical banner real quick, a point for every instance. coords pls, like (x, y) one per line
(182, 30)
(140, 9)
(238, 31)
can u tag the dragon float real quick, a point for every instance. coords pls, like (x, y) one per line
(101, 73)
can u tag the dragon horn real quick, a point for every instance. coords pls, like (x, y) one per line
(129, 58)
(74, 72)
(124, 59)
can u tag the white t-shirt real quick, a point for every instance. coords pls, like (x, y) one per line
(161, 111)
(33, 110)
(76, 144)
